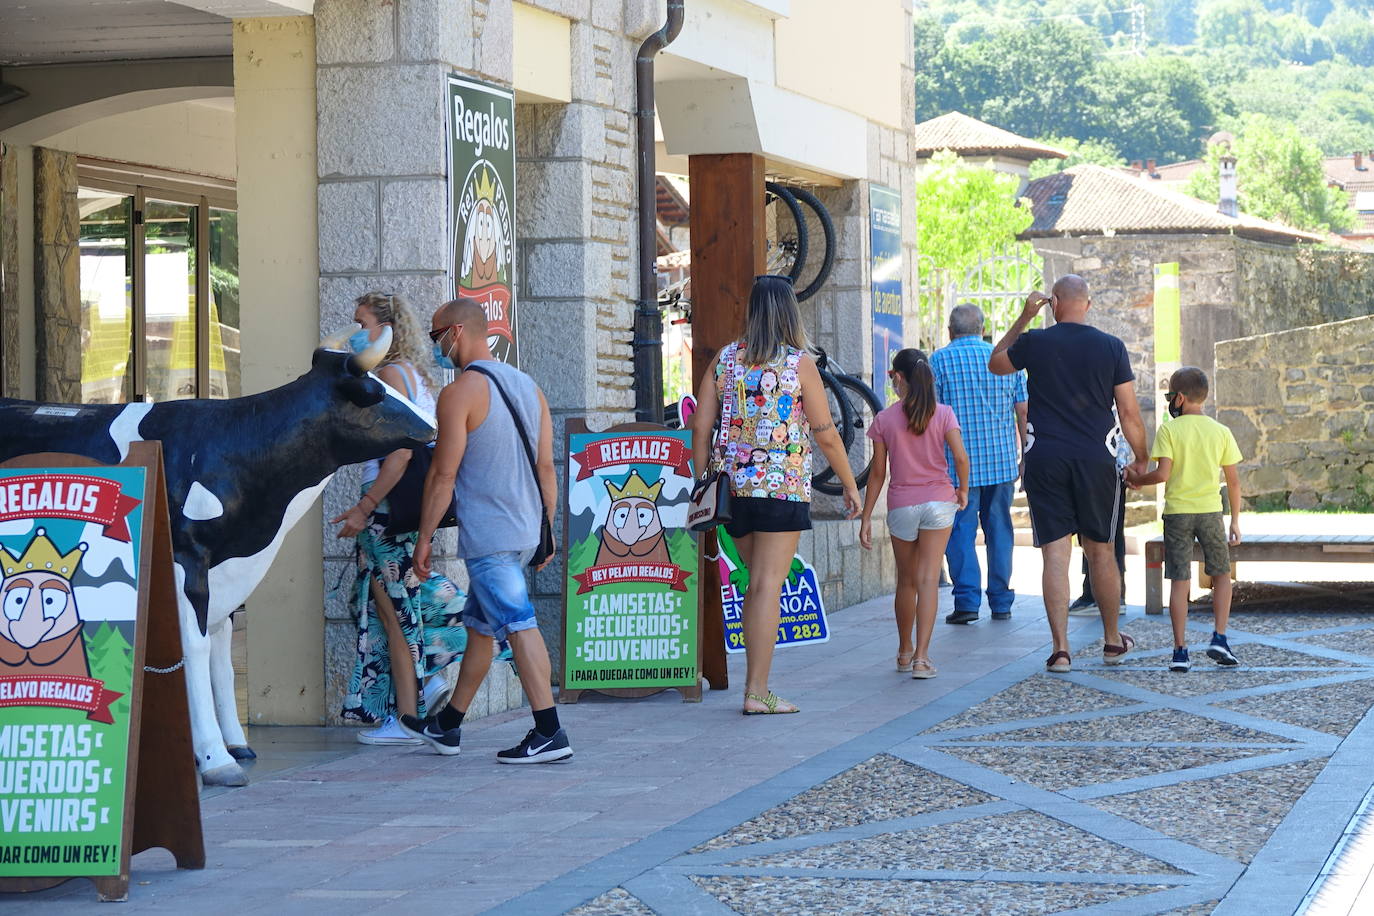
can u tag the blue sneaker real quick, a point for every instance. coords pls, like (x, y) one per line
(1219, 652)
(1180, 661)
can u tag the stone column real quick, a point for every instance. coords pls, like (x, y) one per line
(9, 271)
(57, 268)
(383, 207)
(576, 259)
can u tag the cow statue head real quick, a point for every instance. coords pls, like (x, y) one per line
(366, 418)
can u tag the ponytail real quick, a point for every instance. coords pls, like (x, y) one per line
(919, 403)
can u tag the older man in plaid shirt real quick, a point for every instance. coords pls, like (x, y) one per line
(992, 415)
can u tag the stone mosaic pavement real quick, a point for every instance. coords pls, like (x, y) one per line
(1127, 790)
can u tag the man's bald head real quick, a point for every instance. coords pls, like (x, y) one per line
(464, 311)
(1071, 298)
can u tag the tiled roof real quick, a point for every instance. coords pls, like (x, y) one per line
(965, 135)
(1093, 200)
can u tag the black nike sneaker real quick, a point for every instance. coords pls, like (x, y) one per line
(537, 748)
(428, 731)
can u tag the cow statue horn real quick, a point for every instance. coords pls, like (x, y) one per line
(368, 360)
(339, 339)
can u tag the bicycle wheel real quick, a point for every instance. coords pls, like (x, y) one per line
(824, 479)
(860, 407)
(827, 260)
(785, 229)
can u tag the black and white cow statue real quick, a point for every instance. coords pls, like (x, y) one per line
(240, 473)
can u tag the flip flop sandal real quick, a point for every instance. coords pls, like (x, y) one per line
(1059, 663)
(1112, 655)
(771, 702)
(905, 666)
(922, 669)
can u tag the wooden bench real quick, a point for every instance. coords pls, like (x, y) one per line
(1262, 548)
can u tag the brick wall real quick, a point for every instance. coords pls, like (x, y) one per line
(1301, 405)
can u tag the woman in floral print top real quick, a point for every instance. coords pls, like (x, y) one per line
(756, 416)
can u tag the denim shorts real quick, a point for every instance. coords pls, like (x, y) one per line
(498, 598)
(905, 522)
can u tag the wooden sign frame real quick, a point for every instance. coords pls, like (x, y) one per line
(566, 694)
(162, 794)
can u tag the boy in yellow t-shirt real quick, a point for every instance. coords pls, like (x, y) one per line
(1189, 449)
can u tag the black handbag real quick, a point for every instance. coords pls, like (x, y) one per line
(546, 546)
(712, 503)
(406, 498)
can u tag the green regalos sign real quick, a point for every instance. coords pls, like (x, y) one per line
(70, 558)
(631, 601)
(481, 144)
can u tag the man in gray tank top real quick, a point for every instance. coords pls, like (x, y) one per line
(479, 458)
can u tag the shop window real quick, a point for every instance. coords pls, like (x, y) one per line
(159, 286)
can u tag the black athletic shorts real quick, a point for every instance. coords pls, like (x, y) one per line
(753, 513)
(1072, 496)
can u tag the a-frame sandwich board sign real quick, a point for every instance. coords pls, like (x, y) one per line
(90, 652)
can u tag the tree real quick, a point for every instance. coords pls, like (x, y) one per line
(1351, 35)
(965, 212)
(1279, 176)
(1234, 22)
(1156, 107)
(1097, 152)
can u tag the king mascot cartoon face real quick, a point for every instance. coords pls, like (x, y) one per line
(633, 532)
(40, 629)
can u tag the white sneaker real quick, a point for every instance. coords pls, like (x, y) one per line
(389, 732)
(439, 687)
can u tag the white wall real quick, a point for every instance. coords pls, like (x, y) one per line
(193, 137)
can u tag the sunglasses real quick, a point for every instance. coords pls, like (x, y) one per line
(440, 332)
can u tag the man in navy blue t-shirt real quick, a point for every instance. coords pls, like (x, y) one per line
(1075, 374)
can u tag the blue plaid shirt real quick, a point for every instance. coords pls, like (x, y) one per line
(985, 405)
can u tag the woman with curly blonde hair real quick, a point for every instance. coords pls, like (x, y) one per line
(410, 629)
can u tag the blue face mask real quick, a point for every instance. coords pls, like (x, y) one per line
(359, 340)
(442, 358)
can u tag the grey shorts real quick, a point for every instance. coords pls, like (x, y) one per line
(1205, 528)
(905, 522)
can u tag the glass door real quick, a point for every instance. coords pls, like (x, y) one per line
(170, 258)
(107, 296)
(159, 294)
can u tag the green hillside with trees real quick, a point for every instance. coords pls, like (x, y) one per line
(1125, 80)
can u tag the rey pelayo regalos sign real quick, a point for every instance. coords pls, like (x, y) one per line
(70, 549)
(632, 603)
(481, 143)
(801, 617)
(885, 246)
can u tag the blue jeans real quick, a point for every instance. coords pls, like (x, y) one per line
(498, 598)
(991, 506)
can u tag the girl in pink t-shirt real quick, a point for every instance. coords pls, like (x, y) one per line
(910, 438)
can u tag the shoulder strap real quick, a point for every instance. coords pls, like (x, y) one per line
(519, 426)
(405, 369)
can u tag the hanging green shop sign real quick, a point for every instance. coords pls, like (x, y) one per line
(481, 143)
(631, 606)
(70, 560)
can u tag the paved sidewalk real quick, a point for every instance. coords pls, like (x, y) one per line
(992, 788)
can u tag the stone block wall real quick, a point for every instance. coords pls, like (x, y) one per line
(383, 206)
(1279, 287)
(576, 226)
(1301, 406)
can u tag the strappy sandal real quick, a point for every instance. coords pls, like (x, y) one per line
(921, 669)
(1112, 655)
(905, 666)
(1059, 663)
(771, 702)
